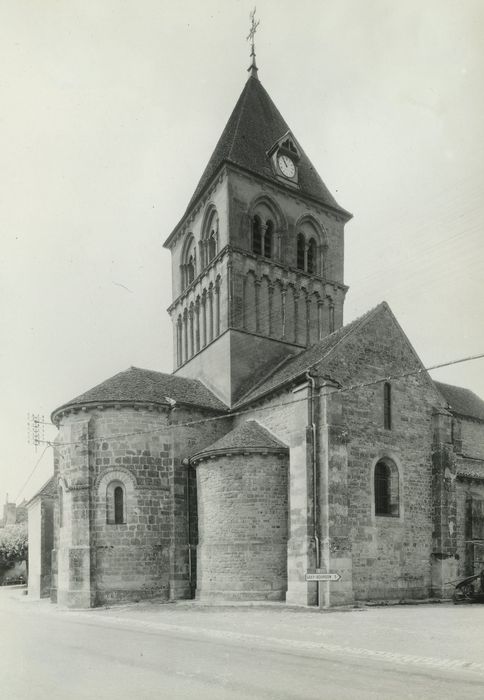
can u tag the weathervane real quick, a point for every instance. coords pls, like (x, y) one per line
(250, 37)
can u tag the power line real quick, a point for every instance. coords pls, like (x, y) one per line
(33, 470)
(335, 390)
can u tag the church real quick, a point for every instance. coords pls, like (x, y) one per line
(285, 444)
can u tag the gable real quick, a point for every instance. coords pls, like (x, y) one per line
(370, 348)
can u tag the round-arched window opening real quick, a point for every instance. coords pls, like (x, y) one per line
(268, 239)
(311, 266)
(301, 243)
(256, 235)
(116, 503)
(212, 246)
(386, 483)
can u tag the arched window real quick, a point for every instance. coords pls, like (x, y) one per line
(212, 246)
(301, 244)
(256, 236)
(268, 238)
(188, 265)
(115, 503)
(118, 505)
(190, 270)
(387, 406)
(311, 256)
(386, 483)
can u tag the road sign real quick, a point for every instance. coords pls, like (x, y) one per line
(320, 576)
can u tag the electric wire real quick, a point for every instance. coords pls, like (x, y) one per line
(256, 409)
(33, 470)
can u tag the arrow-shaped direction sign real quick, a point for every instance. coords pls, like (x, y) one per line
(319, 576)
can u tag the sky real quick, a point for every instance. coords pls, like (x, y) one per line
(110, 111)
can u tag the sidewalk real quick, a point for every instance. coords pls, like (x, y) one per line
(441, 636)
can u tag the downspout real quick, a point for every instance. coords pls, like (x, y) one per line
(189, 530)
(314, 457)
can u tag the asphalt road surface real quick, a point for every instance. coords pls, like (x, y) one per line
(49, 654)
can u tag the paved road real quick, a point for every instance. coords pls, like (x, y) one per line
(46, 653)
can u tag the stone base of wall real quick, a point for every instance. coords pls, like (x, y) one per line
(394, 595)
(242, 596)
(123, 595)
(444, 570)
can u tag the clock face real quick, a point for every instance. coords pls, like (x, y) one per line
(286, 166)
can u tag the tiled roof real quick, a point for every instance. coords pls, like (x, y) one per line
(462, 401)
(143, 385)
(250, 435)
(253, 128)
(293, 367)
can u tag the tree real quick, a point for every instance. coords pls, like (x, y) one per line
(13, 545)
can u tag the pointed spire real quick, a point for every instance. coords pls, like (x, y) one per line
(252, 69)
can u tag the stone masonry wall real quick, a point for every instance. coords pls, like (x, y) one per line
(243, 527)
(391, 555)
(285, 415)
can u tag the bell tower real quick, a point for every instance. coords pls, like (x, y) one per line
(257, 258)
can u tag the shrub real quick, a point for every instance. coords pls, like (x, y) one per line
(13, 545)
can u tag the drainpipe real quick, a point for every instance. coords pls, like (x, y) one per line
(314, 455)
(189, 528)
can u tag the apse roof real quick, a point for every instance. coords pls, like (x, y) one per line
(246, 436)
(146, 386)
(253, 128)
(462, 401)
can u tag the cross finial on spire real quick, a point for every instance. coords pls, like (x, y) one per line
(253, 28)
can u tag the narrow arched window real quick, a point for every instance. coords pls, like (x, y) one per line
(311, 262)
(118, 505)
(190, 270)
(268, 239)
(382, 489)
(301, 244)
(115, 503)
(387, 488)
(212, 246)
(256, 236)
(387, 406)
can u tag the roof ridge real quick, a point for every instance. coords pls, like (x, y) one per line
(242, 106)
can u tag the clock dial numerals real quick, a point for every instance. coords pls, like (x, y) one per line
(286, 166)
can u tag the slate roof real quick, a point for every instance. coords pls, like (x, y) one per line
(294, 366)
(49, 489)
(147, 386)
(254, 126)
(250, 435)
(462, 401)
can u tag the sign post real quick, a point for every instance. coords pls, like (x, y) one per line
(318, 575)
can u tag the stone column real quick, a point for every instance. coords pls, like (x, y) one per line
(257, 309)
(197, 326)
(283, 295)
(74, 553)
(204, 318)
(444, 562)
(217, 310)
(210, 313)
